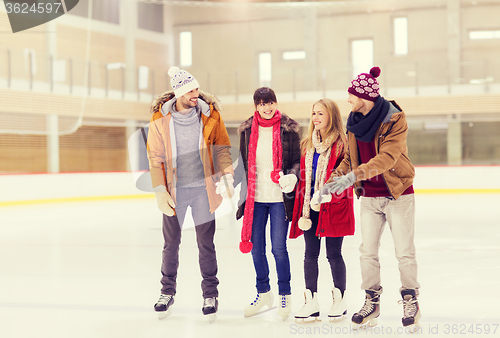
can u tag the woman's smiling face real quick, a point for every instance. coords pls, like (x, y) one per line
(266, 110)
(320, 117)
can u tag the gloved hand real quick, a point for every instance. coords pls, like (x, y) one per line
(164, 200)
(287, 182)
(318, 199)
(225, 187)
(339, 184)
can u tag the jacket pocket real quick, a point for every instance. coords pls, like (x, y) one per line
(339, 211)
(336, 218)
(403, 169)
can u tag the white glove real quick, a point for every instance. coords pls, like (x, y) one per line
(339, 184)
(287, 182)
(225, 187)
(164, 200)
(319, 199)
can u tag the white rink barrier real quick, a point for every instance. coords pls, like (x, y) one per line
(41, 188)
(457, 179)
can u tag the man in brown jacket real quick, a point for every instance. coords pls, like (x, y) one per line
(378, 166)
(191, 166)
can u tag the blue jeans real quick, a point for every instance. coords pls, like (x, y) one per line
(279, 231)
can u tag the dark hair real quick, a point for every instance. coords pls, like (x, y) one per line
(264, 95)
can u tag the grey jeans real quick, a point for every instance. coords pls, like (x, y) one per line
(205, 230)
(400, 215)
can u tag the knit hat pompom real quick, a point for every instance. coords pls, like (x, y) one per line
(375, 72)
(172, 70)
(245, 246)
(305, 224)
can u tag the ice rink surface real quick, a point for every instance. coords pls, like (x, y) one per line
(92, 269)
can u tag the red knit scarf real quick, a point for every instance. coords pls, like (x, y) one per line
(275, 122)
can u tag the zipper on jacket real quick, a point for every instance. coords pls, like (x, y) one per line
(378, 147)
(350, 163)
(282, 193)
(284, 206)
(387, 186)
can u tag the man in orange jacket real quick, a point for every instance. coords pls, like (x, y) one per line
(188, 150)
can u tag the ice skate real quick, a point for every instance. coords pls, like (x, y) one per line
(338, 311)
(411, 311)
(210, 307)
(164, 306)
(285, 306)
(260, 301)
(367, 316)
(310, 310)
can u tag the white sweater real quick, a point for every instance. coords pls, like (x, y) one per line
(265, 189)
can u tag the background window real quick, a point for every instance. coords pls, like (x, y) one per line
(483, 35)
(296, 55)
(103, 10)
(106, 10)
(143, 77)
(150, 16)
(265, 69)
(81, 9)
(186, 49)
(361, 56)
(400, 36)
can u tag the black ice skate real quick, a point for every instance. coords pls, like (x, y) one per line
(411, 310)
(163, 306)
(210, 307)
(367, 316)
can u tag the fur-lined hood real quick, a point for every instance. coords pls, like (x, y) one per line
(288, 124)
(168, 95)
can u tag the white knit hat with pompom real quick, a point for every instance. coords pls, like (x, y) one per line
(182, 82)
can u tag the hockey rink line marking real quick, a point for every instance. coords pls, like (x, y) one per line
(111, 308)
(75, 199)
(142, 196)
(76, 307)
(457, 191)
